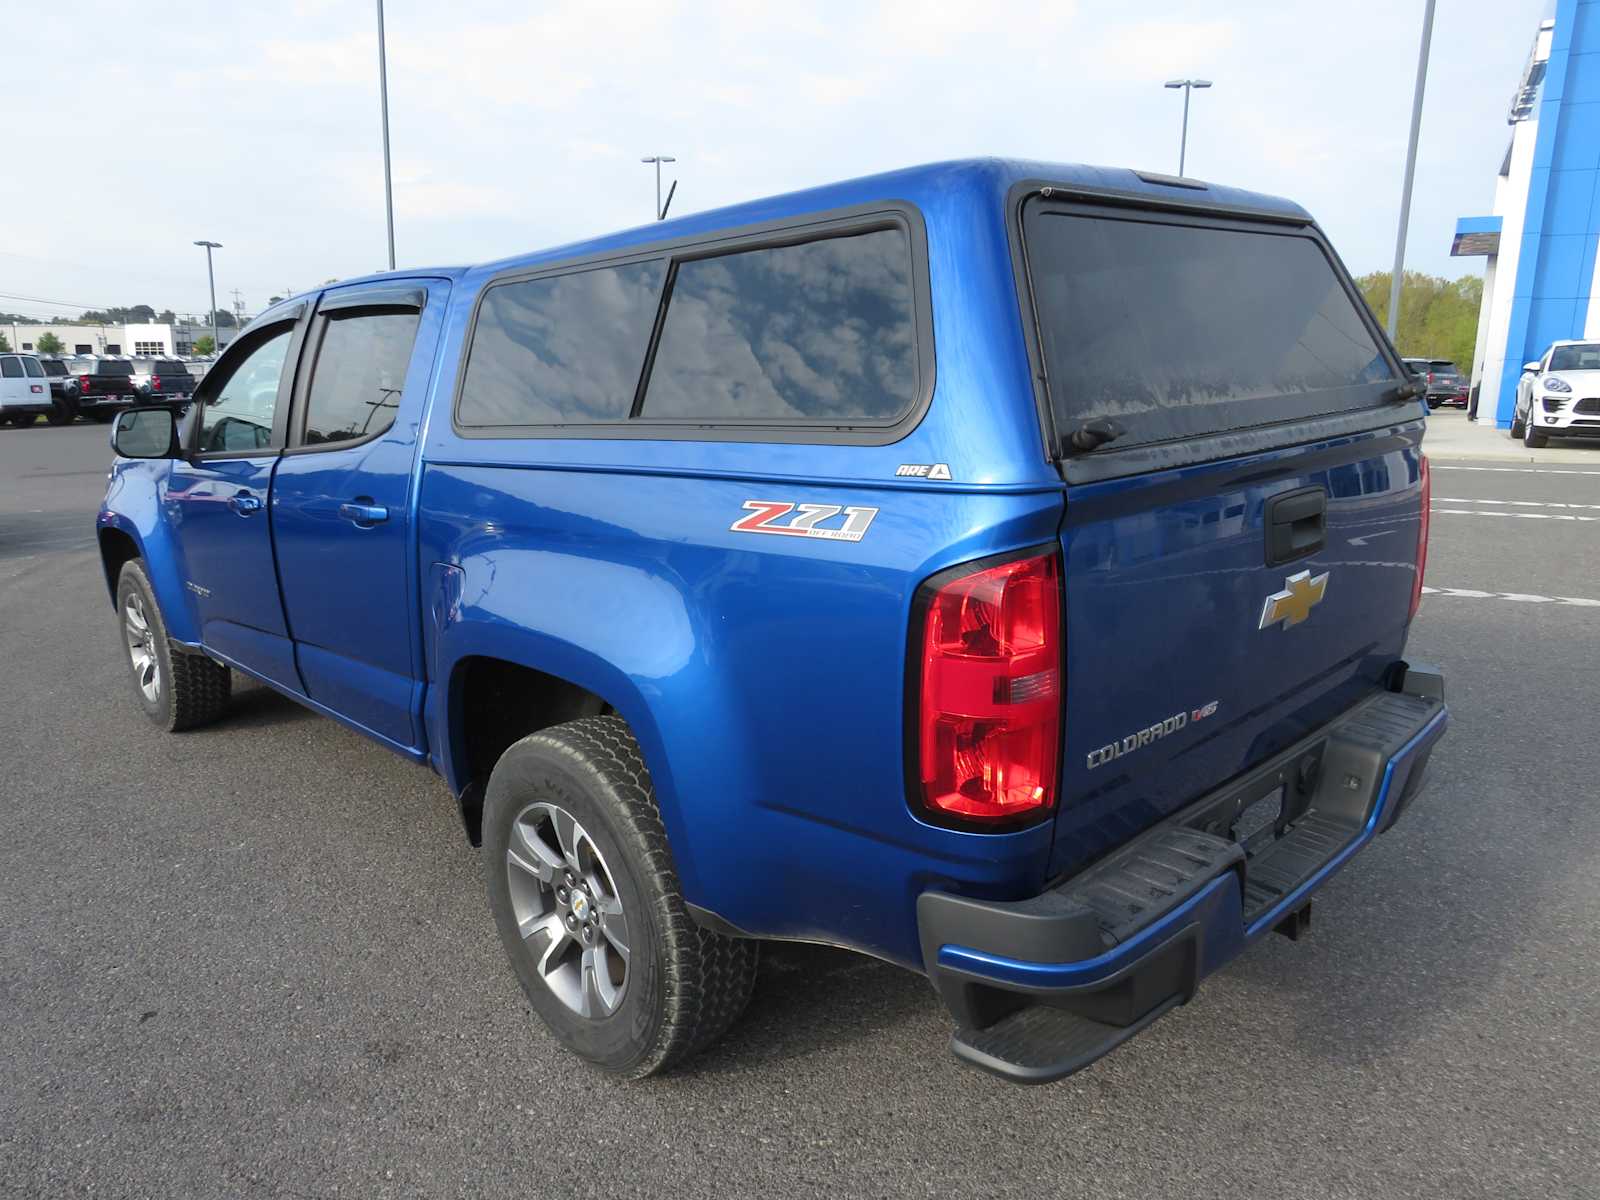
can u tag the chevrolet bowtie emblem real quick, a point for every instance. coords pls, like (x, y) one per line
(1300, 595)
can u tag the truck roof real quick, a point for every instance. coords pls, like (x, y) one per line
(978, 177)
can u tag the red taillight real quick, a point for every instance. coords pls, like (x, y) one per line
(989, 706)
(1430, 376)
(155, 383)
(1422, 532)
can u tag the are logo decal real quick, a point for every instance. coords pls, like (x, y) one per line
(766, 516)
(923, 470)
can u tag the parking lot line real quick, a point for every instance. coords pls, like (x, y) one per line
(1517, 597)
(1520, 503)
(1495, 512)
(1439, 466)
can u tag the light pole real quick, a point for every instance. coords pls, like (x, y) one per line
(216, 346)
(1187, 85)
(383, 100)
(1411, 169)
(658, 159)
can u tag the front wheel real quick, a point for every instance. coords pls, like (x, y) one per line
(176, 689)
(1531, 437)
(1517, 425)
(590, 910)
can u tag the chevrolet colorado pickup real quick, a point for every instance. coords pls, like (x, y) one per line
(1003, 569)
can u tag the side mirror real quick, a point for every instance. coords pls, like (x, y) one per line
(147, 433)
(1530, 367)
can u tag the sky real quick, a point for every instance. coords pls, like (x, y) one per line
(517, 126)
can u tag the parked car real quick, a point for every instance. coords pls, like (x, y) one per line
(63, 391)
(105, 386)
(162, 378)
(24, 390)
(732, 604)
(1559, 394)
(1446, 387)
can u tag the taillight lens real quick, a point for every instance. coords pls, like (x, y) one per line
(83, 382)
(989, 707)
(1422, 532)
(155, 383)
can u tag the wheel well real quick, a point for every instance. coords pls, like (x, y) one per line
(498, 702)
(116, 549)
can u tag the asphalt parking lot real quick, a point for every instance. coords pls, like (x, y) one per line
(256, 959)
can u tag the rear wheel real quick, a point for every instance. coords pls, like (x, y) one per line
(63, 412)
(589, 908)
(23, 420)
(176, 689)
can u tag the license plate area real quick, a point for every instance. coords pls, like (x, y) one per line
(1257, 810)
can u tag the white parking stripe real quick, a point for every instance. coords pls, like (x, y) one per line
(1442, 466)
(1519, 597)
(1522, 503)
(1494, 512)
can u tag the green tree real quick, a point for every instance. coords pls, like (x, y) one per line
(1438, 317)
(167, 317)
(224, 319)
(4, 345)
(204, 346)
(48, 343)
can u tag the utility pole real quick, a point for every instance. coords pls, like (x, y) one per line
(1188, 85)
(383, 99)
(1411, 169)
(216, 345)
(658, 159)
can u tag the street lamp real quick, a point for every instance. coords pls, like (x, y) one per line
(383, 101)
(1187, 85)
(1411, 170)
(216, 345)
(658, 159)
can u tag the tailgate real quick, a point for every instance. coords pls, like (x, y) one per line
(1240, 535)
(1178, 675)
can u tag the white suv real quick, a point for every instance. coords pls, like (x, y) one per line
(1559, 395)
(24, 389)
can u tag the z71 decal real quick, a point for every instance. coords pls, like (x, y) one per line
(765, 517)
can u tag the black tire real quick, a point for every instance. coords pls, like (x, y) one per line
(23, 420)
(1531, 437)
(684, 985)
(1516, 426)
(190, 689)
(63, 412)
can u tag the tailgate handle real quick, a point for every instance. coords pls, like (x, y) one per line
(1296, 524)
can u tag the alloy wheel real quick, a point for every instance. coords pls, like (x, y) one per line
(141, 647)
(568, 910)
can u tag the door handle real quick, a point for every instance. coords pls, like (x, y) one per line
(363, 514)
(244, 503)
(1296, 524)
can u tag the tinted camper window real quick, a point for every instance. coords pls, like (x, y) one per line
(563, 348)
(1178, 331)
(817, 332)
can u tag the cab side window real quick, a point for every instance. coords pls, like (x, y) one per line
(10, 368)
(239, 409)
(359, 374)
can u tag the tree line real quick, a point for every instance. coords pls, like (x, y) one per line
(1438, 317)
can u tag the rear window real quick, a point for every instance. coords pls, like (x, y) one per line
(565, 348)
(1575, 358)
(114, 366)
(1176, 331)
(53, 367)
(821, 331)
(169, 368)
(1443, 368)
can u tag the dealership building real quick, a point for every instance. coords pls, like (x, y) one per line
(156, 339)
(1540, 282)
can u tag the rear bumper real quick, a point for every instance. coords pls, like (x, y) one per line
(1042, 987)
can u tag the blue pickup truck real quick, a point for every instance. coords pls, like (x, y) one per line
(1003, 569)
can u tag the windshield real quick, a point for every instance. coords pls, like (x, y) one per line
(1575, 358)
(1184, 330)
